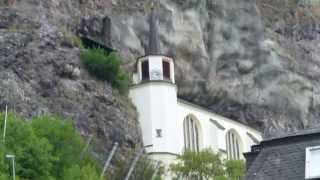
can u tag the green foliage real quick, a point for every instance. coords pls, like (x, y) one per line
(32, 153)
(81, 173)
(68, 144)
(48, 148)
(235, 169)
(106, 67)
(143, 170)
(206, 164)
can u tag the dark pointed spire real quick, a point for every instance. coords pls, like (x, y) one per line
(153, 46)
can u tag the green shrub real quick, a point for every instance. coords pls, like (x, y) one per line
(106, 67)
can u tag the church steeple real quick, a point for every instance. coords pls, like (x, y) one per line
(153, 46)
(154, 66)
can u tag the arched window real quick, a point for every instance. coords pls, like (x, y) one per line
(234, 145)
(191, 134)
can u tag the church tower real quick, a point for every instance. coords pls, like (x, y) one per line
(154, 66)
(154, 93)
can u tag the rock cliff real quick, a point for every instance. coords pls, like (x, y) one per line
(254, 61)
(41, 73)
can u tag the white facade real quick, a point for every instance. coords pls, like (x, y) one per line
(163, 117)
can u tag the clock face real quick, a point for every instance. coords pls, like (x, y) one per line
(155, 74)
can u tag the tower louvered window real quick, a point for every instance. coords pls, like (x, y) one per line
(191, 134)
(166, 70)
(145, 70)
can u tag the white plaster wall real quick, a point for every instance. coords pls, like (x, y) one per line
(159, 108)
(215, 137)
(140, 98)
(155, 65)
(156, 104)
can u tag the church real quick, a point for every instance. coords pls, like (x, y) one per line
(170, 125)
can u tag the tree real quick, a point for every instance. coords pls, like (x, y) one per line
(32, 154)
(198, 165)
(206, 164)
(67, 143)
(235, 169)
(45, 148)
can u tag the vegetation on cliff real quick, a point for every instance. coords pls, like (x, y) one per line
(106, 67)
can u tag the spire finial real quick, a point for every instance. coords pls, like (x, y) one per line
(153, 46)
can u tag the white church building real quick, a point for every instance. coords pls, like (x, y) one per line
(169, 124)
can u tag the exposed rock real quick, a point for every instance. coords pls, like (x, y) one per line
(38, 75)
(243, 59)
(245, 66)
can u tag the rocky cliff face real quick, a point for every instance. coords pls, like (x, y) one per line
(40, 73)
(254, 61)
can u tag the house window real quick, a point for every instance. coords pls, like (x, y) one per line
(191, 134)
(145, 70)
(166, 69)
(313, 162)
(234, 146)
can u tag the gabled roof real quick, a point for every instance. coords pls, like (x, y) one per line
(299, 133)
(203, 108)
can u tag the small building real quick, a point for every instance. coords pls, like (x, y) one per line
(169, 124)
(292, 157)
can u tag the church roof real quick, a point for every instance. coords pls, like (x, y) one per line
(185, 101)
(300, 135)
(303, 132)
(153, 46)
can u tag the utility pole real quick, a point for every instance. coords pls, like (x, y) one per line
(86, 147)
(134, 162)
(5, 124)
(9, 156)
(154, 175)
(106, 165)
